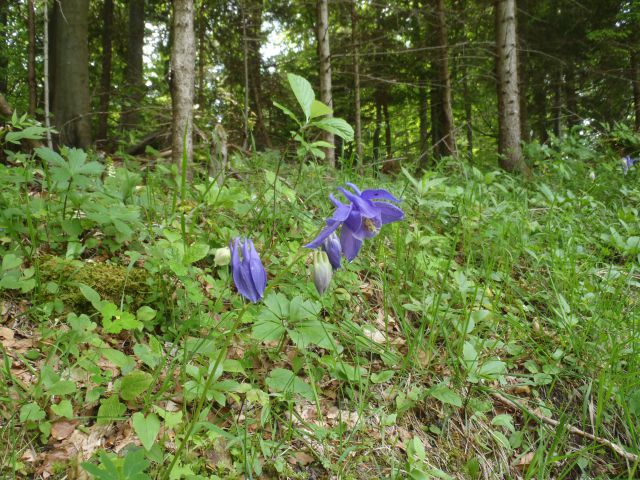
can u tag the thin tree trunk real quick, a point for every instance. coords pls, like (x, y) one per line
(468, 112)
(71, 102)
(387, 129)
(182, 82)
(255, 72)
(376, 132)
(557, 104)
(507, 83)
(105, 77)
(202, 27)
(436, 117)
(635, 81)
(31, 61)
(540, 103)
(245, 49)
(423, 115)
(444, 79)
(324, 53)
(133, 71)
(45, 51)
(356, 85)
(4, 47)
(571, 96)
(523, 62)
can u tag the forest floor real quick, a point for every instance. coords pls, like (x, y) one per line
(447, 349)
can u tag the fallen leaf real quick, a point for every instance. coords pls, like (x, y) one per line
(62, 429)
(301, 458)
(6, 333)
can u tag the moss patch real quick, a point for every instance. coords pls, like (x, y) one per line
(109, 280)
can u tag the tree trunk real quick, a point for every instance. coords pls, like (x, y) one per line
(133, 71)
(507, 83)
(202, 51)
(448, 139)
(4, 47)
(254, 30)
(423, 115)
(436, 117)
(571, 96)
(71, 104)
(635, 81)
(376, 132)
(324, 54)
(468, 112)
(105, 77)
(540, 103)
(387, 128)
(182, 81)
(557, 103)
(523, 62)
(31, 61)
(356, 85)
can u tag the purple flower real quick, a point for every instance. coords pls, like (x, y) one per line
(361, 218)
(627, 163)
(331, 246)
(322, 271)
(249, 274)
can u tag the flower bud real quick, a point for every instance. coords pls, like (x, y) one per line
(322, 271)
(331, 245)
(222, 256)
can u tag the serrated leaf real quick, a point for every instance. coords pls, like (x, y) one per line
(134, 384)
(147, 428)
(337, 126)
(318, 109)
(303, 91)
(111, 409)
(63, 409)
(31, 412)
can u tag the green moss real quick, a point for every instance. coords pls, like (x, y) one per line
(109, 280)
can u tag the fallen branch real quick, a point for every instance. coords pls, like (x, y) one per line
(632, 457)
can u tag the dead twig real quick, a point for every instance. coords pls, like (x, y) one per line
(632, 457)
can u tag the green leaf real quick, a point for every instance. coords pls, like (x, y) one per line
(145, 314)
(135, 464)
(147, 428)
(303, 92)
(134, 384)
(63, 387)
(287, 112)
(119, 359)
(318, 109)
(445, 395)
(10, 262)
(91, 295)
(504, 420)
(31, 412)
(382, 377)
(111, 409)
(63, 409)
(171, 419)
(337, 126)
(492, 369)
(285, 381)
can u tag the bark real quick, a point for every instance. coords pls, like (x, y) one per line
(254, 30)
(202, 52)
(105, 76)
(436, 117)
(523, 62)
(31, 60)
(387, 129)
(509, 135)
(4, 47)
(324, 54)
(635, 81)
(71, 105)
(133, 71)
(46, 79)
(182, 81)
(468, 112)
(356, 84)
(448, 139)
(423, 115)
(540, 103)
(376, 132)
(557, 104)
(572, 97)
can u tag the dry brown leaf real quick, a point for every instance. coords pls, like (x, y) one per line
(301, 458)
(525, 459)
(6, 333)
(62, 429)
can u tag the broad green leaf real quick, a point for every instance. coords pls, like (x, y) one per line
(31, 412)
(504, 420)
(10, 262)
(492, 369)
(337, 126)
(111, 409)
(63, 387)
(318, 109)
(303, 92)
(63, 409)
(134, 384)
(91, 295)
(267, 329)
(135, 464)
(445, 395)
(285, 381)
(287, 112)
(147, 428)
(119, 359)
(382, 377)
(145, 314)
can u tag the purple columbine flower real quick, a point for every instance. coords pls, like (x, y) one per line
(361, 218)
(331, 246)
(627, 163)
(249, 274)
